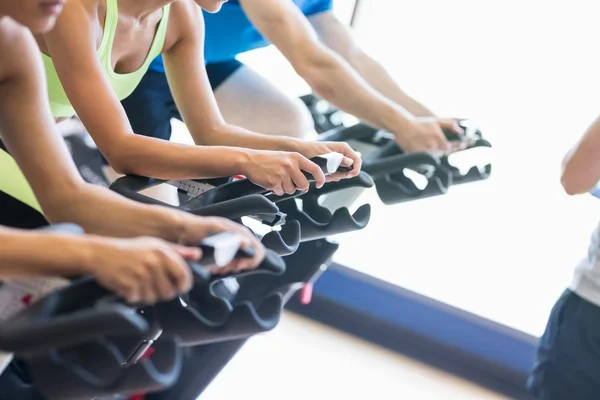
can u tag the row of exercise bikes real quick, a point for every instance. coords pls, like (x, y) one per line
(82, 342)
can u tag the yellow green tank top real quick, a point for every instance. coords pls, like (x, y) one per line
(122, 84)
(12, 181)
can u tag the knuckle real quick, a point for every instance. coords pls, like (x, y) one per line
(288, 164)
(156, 256)
(271, 181)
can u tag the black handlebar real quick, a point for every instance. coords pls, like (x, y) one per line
(204, 275)
(131, 185)
(84, 310)
(70, 316)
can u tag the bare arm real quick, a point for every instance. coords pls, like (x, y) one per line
(30, 253)
(189, 84)
(102, 114)
(186, 72)
(328, 74)
(30, 134)
(339, 38)
(581, 166)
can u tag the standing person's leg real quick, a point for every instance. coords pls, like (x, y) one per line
(150, 109)
(567, 364)
(249, 100)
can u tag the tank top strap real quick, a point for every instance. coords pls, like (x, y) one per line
(108, 32)
(161, 35)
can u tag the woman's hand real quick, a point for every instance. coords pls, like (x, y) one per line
(427, 134)
(281, 171)
(446, 124)
(146, 270)
(142, 270)
(196, 228)
(351, 157)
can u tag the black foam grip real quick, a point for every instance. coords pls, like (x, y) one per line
(286, 241)
(340, 222)
(67, 317)
(272, 263)
(96, 371)
(343, 134)
(380, 167)
(232, 209)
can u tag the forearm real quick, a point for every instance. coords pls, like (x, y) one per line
(30, 253)
(100, 211)
(581, 165)
(334, 80)
(141, 155)
(235, 136)
(378, 77)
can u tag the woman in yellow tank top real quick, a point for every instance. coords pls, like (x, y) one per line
(140, 270)
(98, 53)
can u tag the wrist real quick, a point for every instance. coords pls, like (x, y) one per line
(398, 121)
(291, 144)
(295, 145)
(241, 160)
(88, 255)
(172, 224)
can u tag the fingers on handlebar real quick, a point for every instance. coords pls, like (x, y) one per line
(244, 264)
(456, 128)
(188, 253)
(177, 274)
(306, 165)
(351, 158)
(288, 185)
(300, 181)
(356, 166)
(148, 295)
(163, 286)
(130, 294)
(338, 176)
(249, 240)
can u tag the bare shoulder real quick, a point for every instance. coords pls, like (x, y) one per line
(185, 20)
(90, 7)
(184, 8)
(16, 49)
(79, 19)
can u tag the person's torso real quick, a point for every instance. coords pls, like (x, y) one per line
(586, 280)
(122, 84)
(229, 32)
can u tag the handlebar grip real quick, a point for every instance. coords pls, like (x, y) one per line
(232, 209)
(343, 134)
(231, 191)
(130, 186)
(329, 163)
(70, 330)
(72, 315)
(391, 164)
(272, 263)
(134, 183)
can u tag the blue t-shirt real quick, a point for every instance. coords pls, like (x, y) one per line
(229, 32)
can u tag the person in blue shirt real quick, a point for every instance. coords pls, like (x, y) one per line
(322, 51)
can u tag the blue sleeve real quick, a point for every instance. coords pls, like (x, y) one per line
(317, 6)
(157, 65)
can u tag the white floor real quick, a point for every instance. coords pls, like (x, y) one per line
(302, 360)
